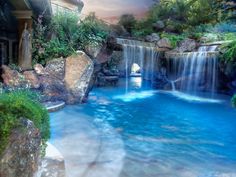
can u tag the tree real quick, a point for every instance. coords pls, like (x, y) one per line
(128, 21)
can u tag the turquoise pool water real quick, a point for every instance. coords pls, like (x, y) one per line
(147, 133)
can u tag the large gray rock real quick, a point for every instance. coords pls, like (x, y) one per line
(32, 79)
(164, 44)
(154, 37)
(78, 73)
(158, 26)
(187, 45)
(56, 68)
(93, 50)
(13, 78)
(61, 79)
(52, 79)
(21, 156)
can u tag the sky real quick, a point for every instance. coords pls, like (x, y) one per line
(114, 8)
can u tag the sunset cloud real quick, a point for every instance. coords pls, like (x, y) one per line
(111, 8)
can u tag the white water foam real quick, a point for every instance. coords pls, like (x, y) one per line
(193, 98)
(131, 96)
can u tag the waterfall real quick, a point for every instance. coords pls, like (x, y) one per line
(172, 85)
(196, 71)
(142, 53)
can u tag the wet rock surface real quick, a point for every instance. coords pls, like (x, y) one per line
(21, 157)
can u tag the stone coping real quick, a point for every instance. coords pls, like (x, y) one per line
(54, 106)
(216, 43)
(184, 54)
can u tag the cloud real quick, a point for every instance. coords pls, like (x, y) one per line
(108, 8)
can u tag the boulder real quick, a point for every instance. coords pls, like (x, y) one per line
(32, 79)
(78, 73)
(154, 37)
(112, 43)
(158, 26)
(104, 55)
(14, 79)
(164, 43)
(21, 156)
(187, 45)
(56, 68)
(39, 69)
(92, 50)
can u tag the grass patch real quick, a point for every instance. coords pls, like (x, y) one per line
(22, 104)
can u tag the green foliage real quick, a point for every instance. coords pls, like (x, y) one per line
(39, 42)
(22, 104)
(65, 34)
(142, 28)
(233, 100)
(184, 15)
(92, 31)
(229, 52)
(174, 39)
(127, 21)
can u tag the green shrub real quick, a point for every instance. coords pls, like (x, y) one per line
(229, 52)
(142, 28)
(22, 104)
(66, 34)
(174, 39)
(233, 100)
(92, 31)
(185, 15)
(127, 21)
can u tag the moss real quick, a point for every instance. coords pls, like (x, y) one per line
(18, 104)
(233, 100)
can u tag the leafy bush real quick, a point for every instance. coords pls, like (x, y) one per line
(224, 27)
(174, 39)
(65, 35)
(229, 52)
(233, 100)
(127, 21)
(185, 15)
(142, 28)
(92, 31)
(22, 104)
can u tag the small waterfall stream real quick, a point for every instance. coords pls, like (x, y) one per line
(196, 71)
(142, 53)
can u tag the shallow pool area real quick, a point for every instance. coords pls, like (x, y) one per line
(141, 132)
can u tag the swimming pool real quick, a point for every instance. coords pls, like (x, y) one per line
(146, 133)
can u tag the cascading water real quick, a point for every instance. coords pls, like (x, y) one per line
(142, 53)
(196, 71)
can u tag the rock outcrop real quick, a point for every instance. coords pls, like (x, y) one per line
(154, 37)
(158, 26)
(21, 156)
(78, 73)
(12, 78)
(61, 79)
(187, 45)
(164, 44)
